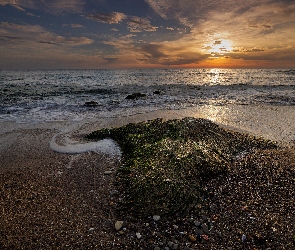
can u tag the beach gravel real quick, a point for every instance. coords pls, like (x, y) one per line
(54, 201)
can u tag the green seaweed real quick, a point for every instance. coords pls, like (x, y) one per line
(166, 162)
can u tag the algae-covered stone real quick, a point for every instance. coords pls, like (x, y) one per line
(166, 162)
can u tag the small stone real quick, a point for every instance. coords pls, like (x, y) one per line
(108, 172)
(91, 229)
(259, 239)
(175, 226)
(107, 224)
(199, 231)
(138, 235)
(113, 192)
(197, 223)
(192, 238)
(118, 225)
(156, 217)
(190, 220)
(186, 248)
(205, 228)
(204, 218)
(175, 246)
(157, 248)
(170, 244)
(166, 248)
(244, 237)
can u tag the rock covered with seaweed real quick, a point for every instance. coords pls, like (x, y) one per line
(166, 163)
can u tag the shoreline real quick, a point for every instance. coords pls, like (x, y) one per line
(271, 122)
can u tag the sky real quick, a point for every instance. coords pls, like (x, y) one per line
(93, 34)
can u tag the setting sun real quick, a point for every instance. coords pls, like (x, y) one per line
(221, 46)
(218, 47)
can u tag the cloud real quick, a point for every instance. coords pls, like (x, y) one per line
(111, 59)
(54, 6)
(172, 54)
(110, 18)
(137, 24)
(75, 25)
(36, 34)
(261, 26)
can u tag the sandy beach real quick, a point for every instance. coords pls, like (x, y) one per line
(51, 200)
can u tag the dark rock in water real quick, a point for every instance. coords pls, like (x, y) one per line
(157, 92)
(91, 104)
(135, 96)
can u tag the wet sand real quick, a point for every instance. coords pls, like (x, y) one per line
(59, 201)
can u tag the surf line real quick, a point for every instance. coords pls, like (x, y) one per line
(105, 146)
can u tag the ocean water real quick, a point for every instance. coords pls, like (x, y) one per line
(60, 95)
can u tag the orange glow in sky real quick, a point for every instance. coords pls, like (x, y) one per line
(60, 34)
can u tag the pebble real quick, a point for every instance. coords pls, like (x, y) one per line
(175, 246)
(190, 220)
(108, 172)
(138, 235)
(205, 228)
(156, 217)
(192, 238)
(197, 223)
(118, 225)
(107, 224)
(157, 248)
(170, 244)
(204, 218)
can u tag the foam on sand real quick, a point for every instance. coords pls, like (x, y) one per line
(106, 146)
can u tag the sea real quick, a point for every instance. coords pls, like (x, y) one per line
(30, 96)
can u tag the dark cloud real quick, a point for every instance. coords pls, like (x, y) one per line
(263, 26)
(137, 24)
(153, 51)
(162, 54)
(110, 18)
(54, 6)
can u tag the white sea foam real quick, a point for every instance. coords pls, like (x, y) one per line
(106, 146)
(62, 143)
